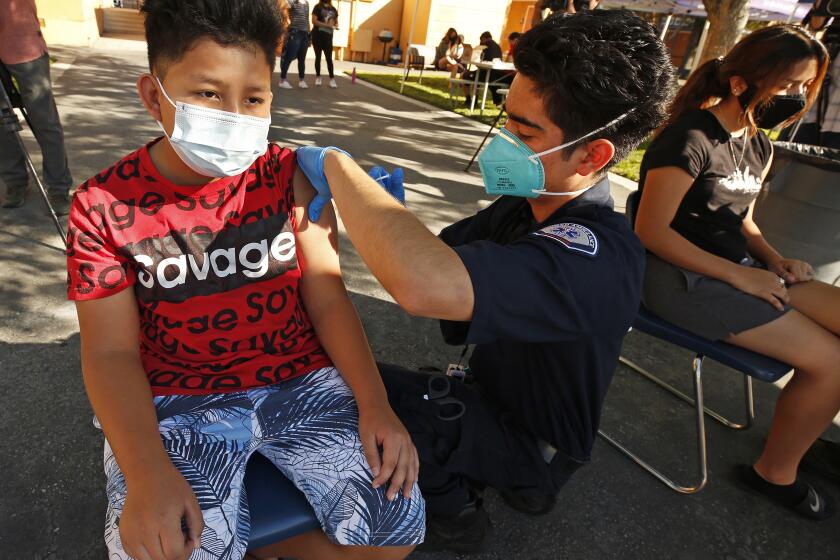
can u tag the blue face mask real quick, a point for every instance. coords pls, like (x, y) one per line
(510, 167)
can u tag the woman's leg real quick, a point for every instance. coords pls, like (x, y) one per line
(289, 53)
(819, 301)
(316, 546)
(316, 46)
(809, 401)
(301, 56)
(328, 55)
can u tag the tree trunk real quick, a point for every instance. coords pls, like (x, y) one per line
(727, 20)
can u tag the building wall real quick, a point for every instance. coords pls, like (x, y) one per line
(519, 19)
(421, 27)
(375, 16)
(71, 22)
(469, 17)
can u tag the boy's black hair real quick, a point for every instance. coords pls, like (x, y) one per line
(486, 35)
(174, 26)
(515, 35)
(593, 66)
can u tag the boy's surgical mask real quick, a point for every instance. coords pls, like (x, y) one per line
(509, 166)
(216, 143)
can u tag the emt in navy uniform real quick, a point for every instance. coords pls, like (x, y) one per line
(545, 282)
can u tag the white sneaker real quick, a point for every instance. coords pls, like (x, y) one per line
(332, 83)
(302, 85)
(284, 84)
(318, 81)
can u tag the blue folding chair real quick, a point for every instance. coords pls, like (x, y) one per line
(750, 364)
(278, 510)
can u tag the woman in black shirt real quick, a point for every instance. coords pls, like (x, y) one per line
(709, 268)
(324, 24)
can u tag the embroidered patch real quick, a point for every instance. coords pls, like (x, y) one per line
(574, 237)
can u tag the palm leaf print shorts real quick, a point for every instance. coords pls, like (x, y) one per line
(308, 427)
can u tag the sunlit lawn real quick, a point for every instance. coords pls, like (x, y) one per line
(435, 91)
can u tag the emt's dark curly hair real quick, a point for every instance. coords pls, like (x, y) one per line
(593, 66)
(173, 27)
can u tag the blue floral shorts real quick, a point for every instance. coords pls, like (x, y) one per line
(308, 428)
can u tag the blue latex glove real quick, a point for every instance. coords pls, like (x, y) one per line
(391, 182)
(310, 159)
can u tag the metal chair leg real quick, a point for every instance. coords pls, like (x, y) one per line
(697, 367)
(486, 136)
(749, 404)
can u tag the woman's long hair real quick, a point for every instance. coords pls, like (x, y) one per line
(448, 36)
(761, 58)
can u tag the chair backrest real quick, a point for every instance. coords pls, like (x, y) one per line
(415, 59)
(632, 207)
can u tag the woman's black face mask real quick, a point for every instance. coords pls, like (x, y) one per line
(779, 109)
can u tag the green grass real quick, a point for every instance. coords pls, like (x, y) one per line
(435, 92)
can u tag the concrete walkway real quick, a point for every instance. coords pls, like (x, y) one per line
(50, 458)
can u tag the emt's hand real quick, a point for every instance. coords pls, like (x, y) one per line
(379, 428)
(310, 159)
(150, 525)
(792, 270)
(763, 284)
(392, 182)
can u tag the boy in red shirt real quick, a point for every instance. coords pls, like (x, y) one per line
(237, 325)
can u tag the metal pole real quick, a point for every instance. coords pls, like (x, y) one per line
(408, 44)
(665, 27)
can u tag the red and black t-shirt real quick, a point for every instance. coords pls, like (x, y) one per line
(214, 271)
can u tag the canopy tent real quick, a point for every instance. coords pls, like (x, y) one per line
(761, 10)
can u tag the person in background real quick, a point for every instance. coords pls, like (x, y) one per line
(324, 22)
(443, 47)
(512, 39)
(451, 59)
(560, 7)
(24, 52)
(822, 124)
(710, 270)
(492, 51)
(297, 43)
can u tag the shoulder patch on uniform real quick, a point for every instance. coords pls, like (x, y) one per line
(573, 237)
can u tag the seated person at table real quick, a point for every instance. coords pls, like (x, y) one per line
(215, 323)
(451, 59)
(492, 51)
(710, 270)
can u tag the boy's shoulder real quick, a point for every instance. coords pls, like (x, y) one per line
(117, 180)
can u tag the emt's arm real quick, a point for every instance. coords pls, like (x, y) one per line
(340, 331)
(118, 389)
(664, 190)
(423, 274)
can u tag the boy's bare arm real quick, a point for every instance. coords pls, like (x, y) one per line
(340, 331)
(119, 391)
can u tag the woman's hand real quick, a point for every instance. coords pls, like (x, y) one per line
(151, 521)
(379, 428)
(763, 284)
(792, 270)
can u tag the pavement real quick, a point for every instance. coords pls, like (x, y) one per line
(51, 479)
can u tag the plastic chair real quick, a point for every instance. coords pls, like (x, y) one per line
(750, 364)
(278, 510)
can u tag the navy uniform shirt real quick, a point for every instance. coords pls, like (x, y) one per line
(553, 302)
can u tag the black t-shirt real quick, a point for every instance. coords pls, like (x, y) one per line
(553, 302)
(491, 50)
(712, 211)
(327, 14)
